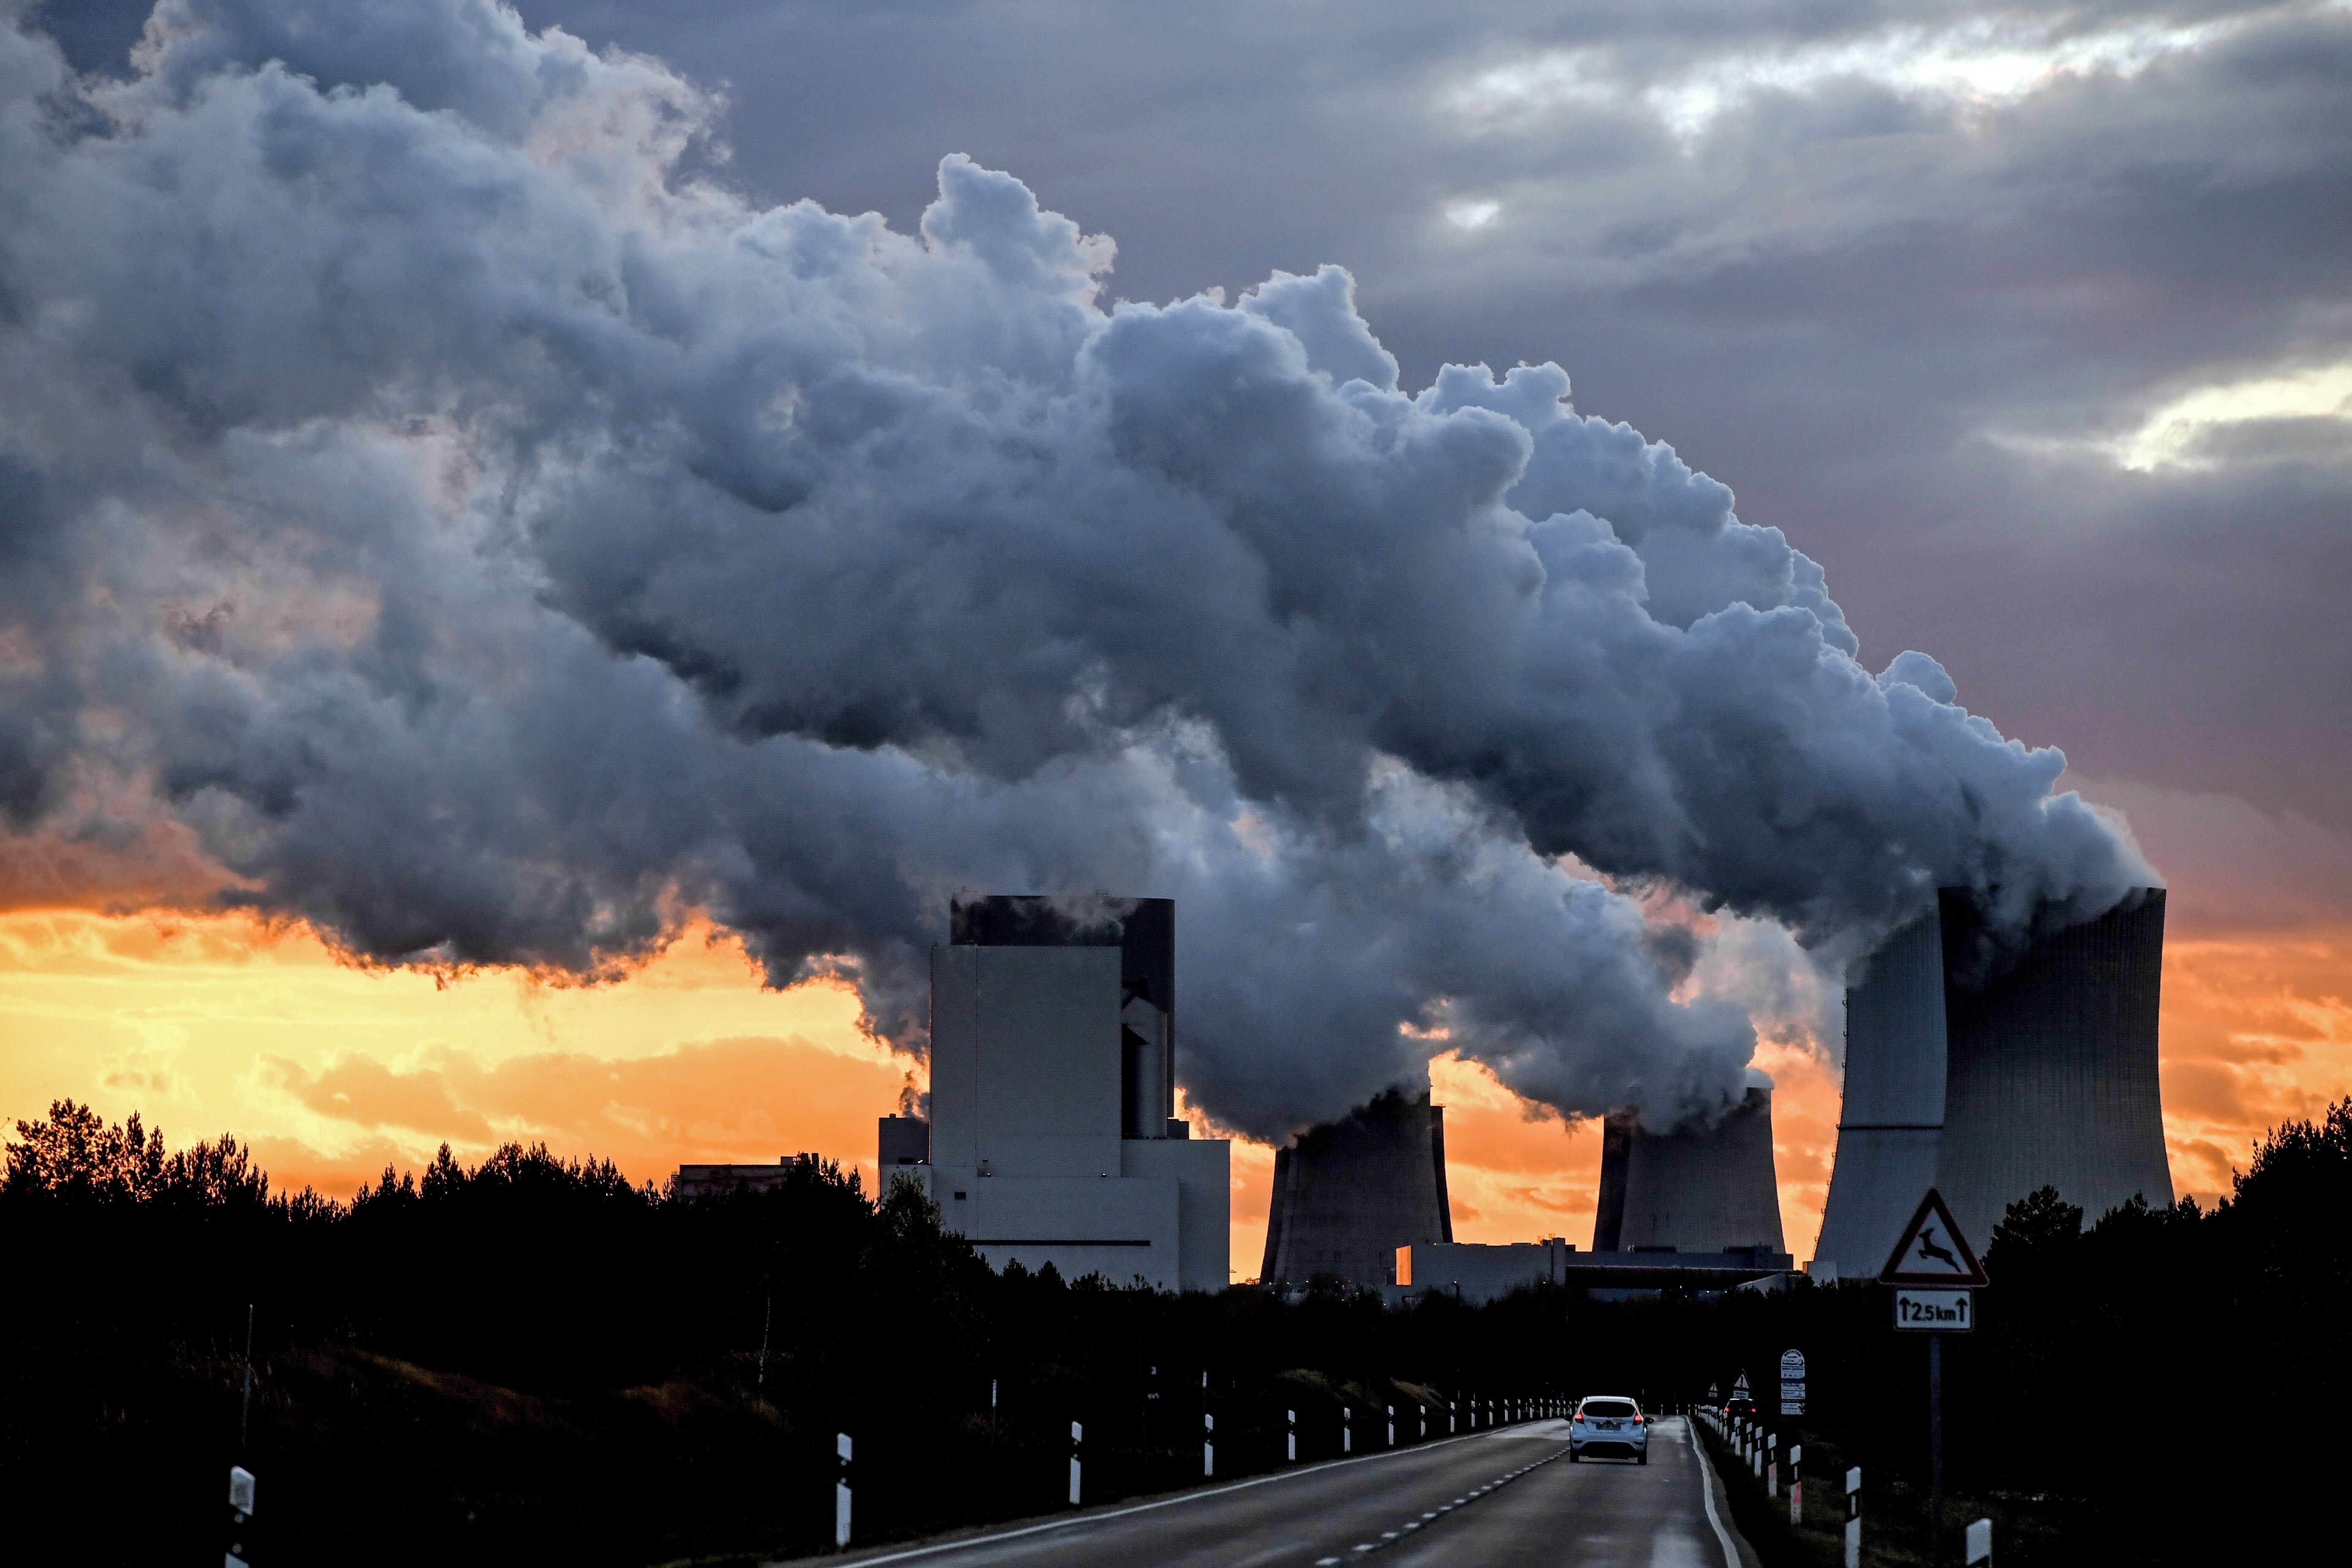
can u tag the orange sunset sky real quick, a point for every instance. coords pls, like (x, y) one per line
(207, 1023)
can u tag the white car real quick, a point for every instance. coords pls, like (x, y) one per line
(1608, 1425)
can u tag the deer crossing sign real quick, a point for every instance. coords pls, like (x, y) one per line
(1933, 1272)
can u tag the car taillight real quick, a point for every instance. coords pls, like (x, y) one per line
(1579, 1416)
(1637, 1418)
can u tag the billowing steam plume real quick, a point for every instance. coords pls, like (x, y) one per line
(493, 544)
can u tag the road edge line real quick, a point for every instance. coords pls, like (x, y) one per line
(1706, 1485)
(1193, 1495)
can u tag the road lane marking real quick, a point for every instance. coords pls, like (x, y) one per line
(1202, 1495)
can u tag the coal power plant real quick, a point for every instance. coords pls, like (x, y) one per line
(1053, 1137)
(1989, 1074)
(1349, 1194)
(1704, 1188)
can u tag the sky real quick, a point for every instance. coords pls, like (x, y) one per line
(2029, 325)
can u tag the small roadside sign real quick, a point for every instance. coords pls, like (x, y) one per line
(1792, 1383)
(1932, 1251)
(1942, 1311)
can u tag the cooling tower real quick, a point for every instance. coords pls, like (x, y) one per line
(1696, 1189)
(1890, 1128)
(1348, 1193)
(2050, 1065)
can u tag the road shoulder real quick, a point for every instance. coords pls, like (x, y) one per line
(1739, 1553)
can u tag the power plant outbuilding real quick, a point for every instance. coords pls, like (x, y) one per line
(1348, 1193)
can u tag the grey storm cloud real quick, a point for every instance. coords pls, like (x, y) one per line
(495, 540)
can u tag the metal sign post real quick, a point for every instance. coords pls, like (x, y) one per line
(1934, 1276)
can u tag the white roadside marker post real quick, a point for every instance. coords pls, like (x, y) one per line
(1853, 1518)
(1772, 1463)
(1347, 1430)
(1290, 1437)
(1391, 1425)
(841, 1490)
(1078, 1446)
(1796, 1484)
(1979, 1545)
(1208, 1443)
(240, 1509)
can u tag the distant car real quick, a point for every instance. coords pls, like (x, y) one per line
(1607, 1427)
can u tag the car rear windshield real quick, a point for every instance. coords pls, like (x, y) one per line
(1608, 1407)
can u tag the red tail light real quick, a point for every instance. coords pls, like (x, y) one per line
(1579, 1416)
(1637, 1418)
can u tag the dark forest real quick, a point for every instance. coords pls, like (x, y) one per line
(532, 1358)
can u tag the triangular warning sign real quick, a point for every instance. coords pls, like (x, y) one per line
(1932, 1251)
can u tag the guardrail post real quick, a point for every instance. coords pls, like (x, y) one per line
(240, 1490)
(1980, 1543)
(1077, 1447)
(1853, 1518)
(841, 1490)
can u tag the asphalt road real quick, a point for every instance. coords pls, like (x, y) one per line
(1496, 1499)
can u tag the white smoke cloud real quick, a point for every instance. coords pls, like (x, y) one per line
(496, 542)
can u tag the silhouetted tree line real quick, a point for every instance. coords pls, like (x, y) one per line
(532, 1358)
(2163, 1385)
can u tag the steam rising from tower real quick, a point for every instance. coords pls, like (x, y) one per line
(437, 513)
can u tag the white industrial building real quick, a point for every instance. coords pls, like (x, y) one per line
(1053, 1088)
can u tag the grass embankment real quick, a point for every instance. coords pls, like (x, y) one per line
(2029, 1531)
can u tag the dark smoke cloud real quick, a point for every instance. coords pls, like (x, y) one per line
(495, 544)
